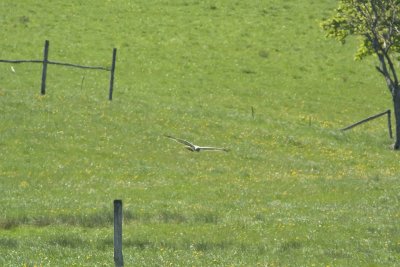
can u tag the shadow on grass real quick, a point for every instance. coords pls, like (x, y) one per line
(290, 245)
(105, 218)
(182, 244)
(68, 241)
(8, 243)
(90, 220)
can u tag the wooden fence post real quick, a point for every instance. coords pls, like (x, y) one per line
(44, 71)
(110, 95)
(46, 62)
(118, 258)
(390, 123)
(387, 112)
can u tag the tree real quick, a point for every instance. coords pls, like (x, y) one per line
(377, 24)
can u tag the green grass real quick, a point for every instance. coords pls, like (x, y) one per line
(293, 190)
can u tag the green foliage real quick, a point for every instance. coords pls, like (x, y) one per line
(293, 190)
(377, 24)
(371, 20)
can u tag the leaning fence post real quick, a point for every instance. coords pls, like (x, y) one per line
(44, 71)
(112, 74)
(365, 120)
(118, 258)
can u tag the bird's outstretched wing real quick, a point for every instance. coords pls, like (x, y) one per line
(193, 147)
(209, 148)
(180, 141)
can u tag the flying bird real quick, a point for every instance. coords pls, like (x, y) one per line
(193, 147)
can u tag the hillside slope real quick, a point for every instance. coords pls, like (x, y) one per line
(260, 79)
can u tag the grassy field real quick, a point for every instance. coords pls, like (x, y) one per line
(293, 190)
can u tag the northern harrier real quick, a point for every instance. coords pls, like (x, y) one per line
(193, 148)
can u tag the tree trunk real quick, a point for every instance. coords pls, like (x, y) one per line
(396, 104)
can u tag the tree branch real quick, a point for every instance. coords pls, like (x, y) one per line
(382, 53)
(380, 70)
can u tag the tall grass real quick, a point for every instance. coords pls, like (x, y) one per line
(293, 190)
